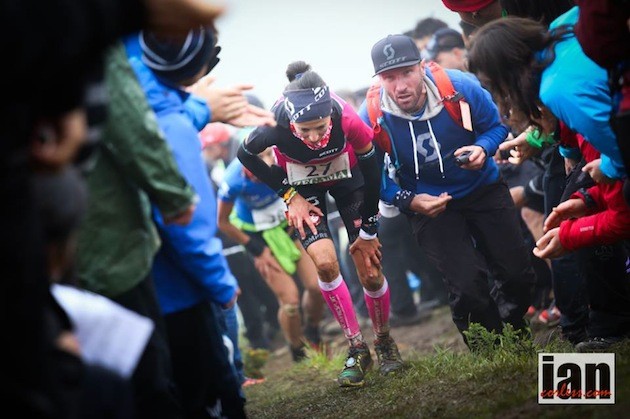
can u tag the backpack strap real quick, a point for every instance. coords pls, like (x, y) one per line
(381, 138)
(450, 96)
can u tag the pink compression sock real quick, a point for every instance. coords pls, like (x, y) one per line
(378, 306)
(337, 296)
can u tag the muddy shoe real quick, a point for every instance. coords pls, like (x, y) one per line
(389, 359)
(358, 363)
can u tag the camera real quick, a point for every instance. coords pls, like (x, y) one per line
(462, 158)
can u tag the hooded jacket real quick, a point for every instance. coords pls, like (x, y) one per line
(422, 159)
(134, 166)
(189, 267)
(575, 90)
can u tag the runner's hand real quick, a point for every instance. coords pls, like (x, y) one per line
(429, 205)
(476, 159)
(369, 256)
(300, 211)
(266, 262)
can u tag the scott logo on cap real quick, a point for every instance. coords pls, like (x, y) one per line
(389, 52)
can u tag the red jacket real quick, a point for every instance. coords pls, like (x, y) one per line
(608, 219)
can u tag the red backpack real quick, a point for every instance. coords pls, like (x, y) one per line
(450, 99)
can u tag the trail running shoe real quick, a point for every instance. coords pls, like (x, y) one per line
(358, 363)
(531, 310)
(389, 359)
(550, 316)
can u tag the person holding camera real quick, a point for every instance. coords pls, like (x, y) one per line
(442, 128)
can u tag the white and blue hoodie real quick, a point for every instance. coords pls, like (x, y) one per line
(423, 144)
(189, 267)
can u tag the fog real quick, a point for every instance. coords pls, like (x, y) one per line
(260, 38)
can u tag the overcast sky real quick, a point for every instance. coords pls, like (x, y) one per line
(259, 38)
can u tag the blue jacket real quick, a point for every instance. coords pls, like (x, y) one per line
(428, 166)
(575, 90)
(190, 266)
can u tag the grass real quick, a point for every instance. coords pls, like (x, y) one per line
(498, 378)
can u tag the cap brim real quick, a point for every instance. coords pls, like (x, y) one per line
(405, 64)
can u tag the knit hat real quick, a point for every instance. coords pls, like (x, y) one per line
(308, 104)
(443, 40)
(393, 52)
(466, 5)
(178, 59)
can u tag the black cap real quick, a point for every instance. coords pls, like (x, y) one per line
(442, 40)
(177, 59)
(395, 51)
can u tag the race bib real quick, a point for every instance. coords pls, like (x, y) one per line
(308, 174)
(269, 216)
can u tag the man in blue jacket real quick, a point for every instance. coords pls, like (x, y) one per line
(190, 271)
(442, 175)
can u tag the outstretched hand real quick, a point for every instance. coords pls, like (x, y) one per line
(229, 104)
(520, 150)
(253, 117)
(177, 17)
(571, 208)
(549, 246)
(595, 172)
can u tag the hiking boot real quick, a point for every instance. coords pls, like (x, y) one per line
(358, 363)
(389, 359)
(597, 344)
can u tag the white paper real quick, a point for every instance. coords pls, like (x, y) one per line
(110, 335)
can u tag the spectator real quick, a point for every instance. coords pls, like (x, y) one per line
(191, 274)
(446, 47)
(424, 30)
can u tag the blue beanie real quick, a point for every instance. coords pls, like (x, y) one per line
(178, 59)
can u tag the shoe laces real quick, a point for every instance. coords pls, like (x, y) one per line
(355, 352)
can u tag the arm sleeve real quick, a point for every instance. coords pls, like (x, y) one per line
(369, 209)
(254, 144)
